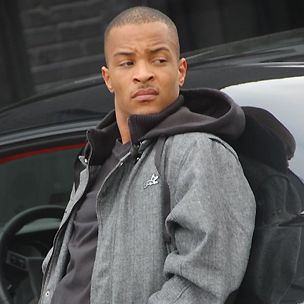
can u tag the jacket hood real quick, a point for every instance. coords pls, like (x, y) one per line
(265, 139)
(196, 110)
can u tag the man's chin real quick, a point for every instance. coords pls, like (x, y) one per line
(149, 107)
(147, 112)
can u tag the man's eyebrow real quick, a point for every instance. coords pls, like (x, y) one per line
(152, 51)
(159, 49)
(123, 53)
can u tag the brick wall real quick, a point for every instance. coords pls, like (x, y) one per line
(64, 38)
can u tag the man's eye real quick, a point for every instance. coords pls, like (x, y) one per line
(126, 63)
(159, 60)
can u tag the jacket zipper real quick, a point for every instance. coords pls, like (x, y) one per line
(98, 212)
(119, 164)
(86, 162)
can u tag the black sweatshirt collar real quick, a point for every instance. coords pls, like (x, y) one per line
(198, 110)
(102, 139)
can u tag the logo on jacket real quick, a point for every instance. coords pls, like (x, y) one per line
(152, 181)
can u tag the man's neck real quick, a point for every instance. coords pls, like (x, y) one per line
(123, 128)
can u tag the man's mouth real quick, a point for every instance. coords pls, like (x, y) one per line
(145, 94)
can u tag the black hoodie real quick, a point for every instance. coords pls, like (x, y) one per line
(197, 110)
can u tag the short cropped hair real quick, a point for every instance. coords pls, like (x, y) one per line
(140, 15)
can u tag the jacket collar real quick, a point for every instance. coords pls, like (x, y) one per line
(102, 139)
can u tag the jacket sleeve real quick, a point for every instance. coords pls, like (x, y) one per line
(211, 220)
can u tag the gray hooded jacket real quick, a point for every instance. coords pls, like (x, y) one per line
(212, 215)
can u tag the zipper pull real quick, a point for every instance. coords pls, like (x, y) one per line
(83, 160)
(135, 151)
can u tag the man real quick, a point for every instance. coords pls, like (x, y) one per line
(110, 246)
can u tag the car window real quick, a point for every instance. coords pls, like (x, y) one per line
(34, 178)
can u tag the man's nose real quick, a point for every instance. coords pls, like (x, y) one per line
(143, 73)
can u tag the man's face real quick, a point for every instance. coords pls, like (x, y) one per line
(144, 72)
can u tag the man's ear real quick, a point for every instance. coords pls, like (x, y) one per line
(106, 77)
(182, 70)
